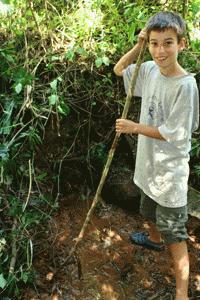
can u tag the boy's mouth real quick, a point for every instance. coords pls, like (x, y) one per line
(161, 59)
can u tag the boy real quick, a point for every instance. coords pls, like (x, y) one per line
(169, 114)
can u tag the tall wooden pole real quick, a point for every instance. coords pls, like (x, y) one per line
(112, 149)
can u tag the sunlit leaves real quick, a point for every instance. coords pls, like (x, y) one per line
(2, 244)
(6, 120)
(3, 282)
(53, 99)
(195, 151)
(63, 108)
(18, 87)
(8, 55)
(56, 100)
(32, 136)
(70, 55)
(4, 151)
(22, 76)
(41, 177)
(102, 60)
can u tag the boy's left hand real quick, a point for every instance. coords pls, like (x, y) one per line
(126, 126)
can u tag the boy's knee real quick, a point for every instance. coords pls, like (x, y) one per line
(171, 224)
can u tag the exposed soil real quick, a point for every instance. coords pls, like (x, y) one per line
(108, 266)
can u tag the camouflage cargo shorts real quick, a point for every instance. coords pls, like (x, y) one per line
(170, 222)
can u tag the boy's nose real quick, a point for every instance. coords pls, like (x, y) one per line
(160, 50)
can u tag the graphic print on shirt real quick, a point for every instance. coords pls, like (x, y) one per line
(155, 111)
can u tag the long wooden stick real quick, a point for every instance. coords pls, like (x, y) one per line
(14, 248)
(112, 149)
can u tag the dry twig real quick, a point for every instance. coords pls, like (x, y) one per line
(30, 184)
(14, 248)
(30, 2)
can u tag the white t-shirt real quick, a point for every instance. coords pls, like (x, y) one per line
(172, 105)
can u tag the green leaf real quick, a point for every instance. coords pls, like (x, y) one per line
(55, 58)
(24, 277)
(63, 109)
(2, 244)
(106, 60)
(53, 99)
(102, 60)
(6, 119)
(8, 180)
(5, 1)
(81, 51)
(18, 88)
(53, 84)
(98, 62)
(8, 57)
(4, 151)
(3, 282)
(70, 55)
(41, 177)
(23, 77)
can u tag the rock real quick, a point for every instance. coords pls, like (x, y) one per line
(120, 189)
(194, 202)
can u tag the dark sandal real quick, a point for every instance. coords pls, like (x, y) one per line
(142, 239)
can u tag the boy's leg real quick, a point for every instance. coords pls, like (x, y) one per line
(154, 234)
(171, 224)
(148, 211)
(180, 258)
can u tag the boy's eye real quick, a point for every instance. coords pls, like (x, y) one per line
(168, 43)
(165, 44)
(153, 44)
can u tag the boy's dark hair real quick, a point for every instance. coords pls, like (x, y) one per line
(167, 20)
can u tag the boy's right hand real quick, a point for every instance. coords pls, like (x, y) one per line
(126, 126)
(142, 36)
(132, 55)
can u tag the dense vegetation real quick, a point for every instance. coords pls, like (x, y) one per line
(58, 102)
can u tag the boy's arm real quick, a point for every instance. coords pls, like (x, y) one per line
(128, 126)
(131, 55)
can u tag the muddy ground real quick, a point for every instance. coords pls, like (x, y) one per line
(108, 266)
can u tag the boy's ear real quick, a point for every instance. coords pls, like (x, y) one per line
(182, 44)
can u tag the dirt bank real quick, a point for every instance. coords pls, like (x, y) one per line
(109, 267)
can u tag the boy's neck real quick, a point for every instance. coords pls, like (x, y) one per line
(173, 71)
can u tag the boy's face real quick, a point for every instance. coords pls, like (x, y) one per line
(164, 47)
